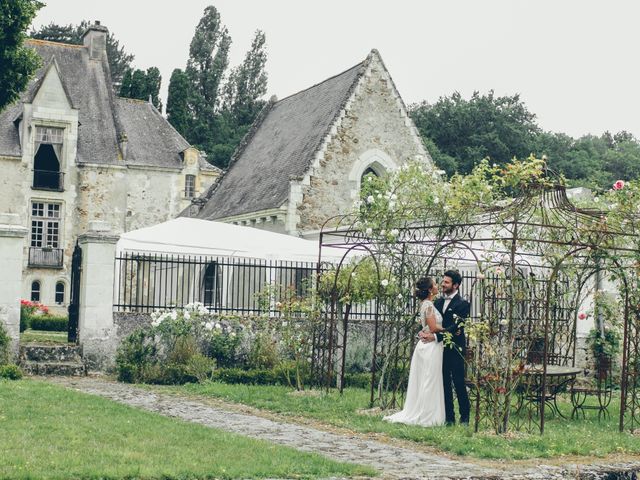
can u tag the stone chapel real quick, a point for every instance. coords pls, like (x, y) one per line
(303, 160)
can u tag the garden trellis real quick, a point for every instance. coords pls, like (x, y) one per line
(527, 257)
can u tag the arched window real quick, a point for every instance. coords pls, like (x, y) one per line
(35, 291)
(368, 171)
(59, 293)
(212, 286)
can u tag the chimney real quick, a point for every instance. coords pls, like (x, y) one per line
(95, 39)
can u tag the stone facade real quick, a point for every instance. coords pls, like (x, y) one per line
(100, 175)
(374, 132)
(315, 146)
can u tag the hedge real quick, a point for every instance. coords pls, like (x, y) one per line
(49, 323)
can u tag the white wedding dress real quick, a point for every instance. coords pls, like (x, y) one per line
(424, 403)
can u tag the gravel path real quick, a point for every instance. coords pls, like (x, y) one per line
(393, 461)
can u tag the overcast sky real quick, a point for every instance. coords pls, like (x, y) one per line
(575, 63)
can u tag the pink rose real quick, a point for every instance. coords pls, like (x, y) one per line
(619, 185)
(582, 316)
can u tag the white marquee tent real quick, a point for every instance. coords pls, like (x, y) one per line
(190, 236)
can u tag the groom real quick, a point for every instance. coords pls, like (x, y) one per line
(454, 310)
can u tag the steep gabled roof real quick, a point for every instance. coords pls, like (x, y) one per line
(152, 141)
(281, 146)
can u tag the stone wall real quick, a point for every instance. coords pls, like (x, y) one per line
(375, 131)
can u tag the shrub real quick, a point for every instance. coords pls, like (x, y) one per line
(10, 371)
(224, 344)
(170, 352)
(49, 323)
(263, 353)
(5, 344)
(135, 356)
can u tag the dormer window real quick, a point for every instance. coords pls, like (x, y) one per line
(46, 162)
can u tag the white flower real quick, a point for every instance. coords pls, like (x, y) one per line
(379, 195)
(384, 282)
(504, 321)
(218, 326)
(394, 232)
(394, 197)
(369, 231)
(208, 326)
(232, 334)
(399, 296)
(284, 324)
(440, 172)
(481, 276)
(383, 232)
(370, 199)
(436, 200)
(174, 315)
(186, 315)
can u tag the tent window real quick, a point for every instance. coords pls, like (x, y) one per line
(212, 286)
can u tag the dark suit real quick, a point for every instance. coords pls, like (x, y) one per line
(453, 358)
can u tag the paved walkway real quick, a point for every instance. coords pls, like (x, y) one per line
(393, 461)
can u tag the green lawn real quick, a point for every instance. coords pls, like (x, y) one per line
(562, 437)
(48, 432)
(41, 336)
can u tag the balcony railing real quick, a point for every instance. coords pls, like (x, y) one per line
(45, 257)
(48, 180)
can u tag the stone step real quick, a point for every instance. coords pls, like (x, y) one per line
(67, 369)
(35, 352)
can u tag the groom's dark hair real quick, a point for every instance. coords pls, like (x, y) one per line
(455, 276)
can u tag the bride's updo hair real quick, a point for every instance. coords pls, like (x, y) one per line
(423, 287)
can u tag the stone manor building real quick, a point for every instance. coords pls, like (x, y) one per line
(304, 158)
(71, 152)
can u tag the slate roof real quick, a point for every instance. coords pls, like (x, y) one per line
(149, 136)
(280, 146)
(152, 141)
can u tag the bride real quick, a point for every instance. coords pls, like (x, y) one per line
(424, 403)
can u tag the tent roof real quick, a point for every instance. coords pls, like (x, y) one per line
(191, 236)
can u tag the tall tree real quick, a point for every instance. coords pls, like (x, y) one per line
(18, 62)
(248, 83)
(179, 113)
(119, 60)
(208, 60)
(483, 126)
(142, 85)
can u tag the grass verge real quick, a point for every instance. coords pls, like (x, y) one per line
(41, 336)
(562, 437)
(49, 432)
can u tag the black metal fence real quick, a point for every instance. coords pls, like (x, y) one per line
(147, 282)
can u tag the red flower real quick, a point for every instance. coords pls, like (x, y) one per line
(582, 316)
(619, 185)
